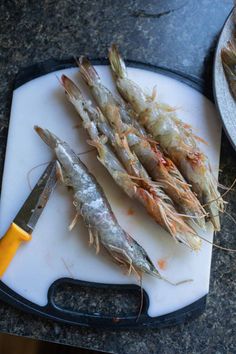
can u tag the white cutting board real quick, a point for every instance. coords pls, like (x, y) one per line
(54, 252)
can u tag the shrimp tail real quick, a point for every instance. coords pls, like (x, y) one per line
(88, 72)
(117, 63)
(70, 87)
(49, 138)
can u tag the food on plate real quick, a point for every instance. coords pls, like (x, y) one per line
(133, 179)
(92, 205)
(175, 138)
(228, 56)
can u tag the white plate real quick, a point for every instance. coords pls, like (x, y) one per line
(223, 97)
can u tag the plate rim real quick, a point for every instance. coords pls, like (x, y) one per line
(218, 107)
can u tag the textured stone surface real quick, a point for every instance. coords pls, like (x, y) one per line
(177, 34)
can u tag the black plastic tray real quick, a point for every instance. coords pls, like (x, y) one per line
(52, 310)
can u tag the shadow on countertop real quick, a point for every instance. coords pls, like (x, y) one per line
(17, 345)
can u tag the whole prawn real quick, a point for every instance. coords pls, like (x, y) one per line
(174, 137)
(91, 203)
(155, 201)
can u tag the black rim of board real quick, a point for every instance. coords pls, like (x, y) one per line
(52, 310)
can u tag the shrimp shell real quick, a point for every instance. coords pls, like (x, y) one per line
(92, 204)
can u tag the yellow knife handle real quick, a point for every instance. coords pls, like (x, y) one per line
(9, 244)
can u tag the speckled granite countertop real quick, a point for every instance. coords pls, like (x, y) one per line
(177, 34)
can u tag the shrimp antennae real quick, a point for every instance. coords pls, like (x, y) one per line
(141, 297)
(31, 170)
(224, 194)
(45, 163)
(218, 246)
(178, 282)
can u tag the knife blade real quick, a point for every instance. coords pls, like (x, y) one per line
(24, 223)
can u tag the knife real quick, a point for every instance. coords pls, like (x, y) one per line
(24, 223)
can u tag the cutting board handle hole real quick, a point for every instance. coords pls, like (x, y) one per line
(96, 299)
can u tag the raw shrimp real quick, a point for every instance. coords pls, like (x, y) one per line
(174, 137)
(91, 203)
(160, 168)
(155, 201)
